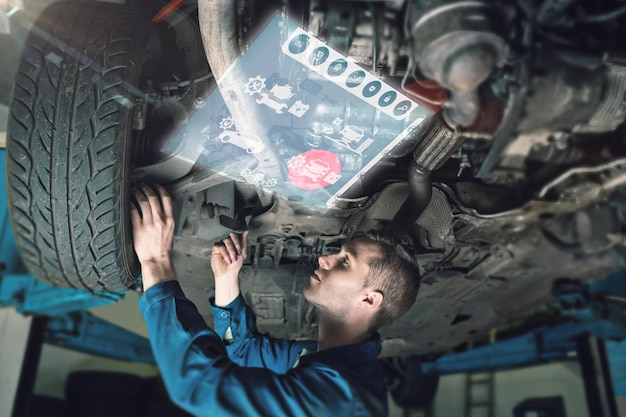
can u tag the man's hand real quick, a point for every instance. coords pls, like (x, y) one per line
(227, 259)
(153, 233)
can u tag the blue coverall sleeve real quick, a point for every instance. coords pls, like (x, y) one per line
(246, 346)
(202, 379)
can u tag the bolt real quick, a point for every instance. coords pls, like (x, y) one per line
(198, 102)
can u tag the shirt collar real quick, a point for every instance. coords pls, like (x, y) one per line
(346, 355)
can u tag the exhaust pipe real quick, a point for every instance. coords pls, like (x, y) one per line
(430, 154)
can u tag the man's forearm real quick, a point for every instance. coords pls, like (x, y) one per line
(155, 272)
(227, 257)
(226, 289)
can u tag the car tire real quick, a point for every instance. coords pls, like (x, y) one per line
(68, 144)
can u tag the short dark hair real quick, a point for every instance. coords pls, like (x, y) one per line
(395, 273)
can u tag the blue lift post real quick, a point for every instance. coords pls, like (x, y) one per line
(68, 323)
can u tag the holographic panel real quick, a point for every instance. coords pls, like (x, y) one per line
(296, 117)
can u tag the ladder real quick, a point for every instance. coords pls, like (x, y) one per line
(479, 395)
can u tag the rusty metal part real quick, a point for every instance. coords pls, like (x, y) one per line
(612, 109)
(437, 146)
(219, 34)
(574, 190)
(612, 175)
(462, 60)
(456, 44)
(433, 150)
(564, 91)
(420, 192)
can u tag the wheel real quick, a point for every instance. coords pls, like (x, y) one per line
(69, 143)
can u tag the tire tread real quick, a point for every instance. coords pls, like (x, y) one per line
(66, 147)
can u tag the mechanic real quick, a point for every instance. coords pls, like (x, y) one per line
(234, 370)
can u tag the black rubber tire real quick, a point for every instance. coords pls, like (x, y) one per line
(68, 144)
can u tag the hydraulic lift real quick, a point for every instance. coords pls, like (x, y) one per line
(593, 326)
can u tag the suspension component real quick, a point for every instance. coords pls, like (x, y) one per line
(456, 44)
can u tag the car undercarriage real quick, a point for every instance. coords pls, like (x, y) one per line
(514, 180)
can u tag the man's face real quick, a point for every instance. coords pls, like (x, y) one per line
(337, 284)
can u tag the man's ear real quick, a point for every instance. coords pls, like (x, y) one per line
(373, 299)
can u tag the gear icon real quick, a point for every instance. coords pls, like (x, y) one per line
(297, 161)
(254, 85)
(270, 183)
(227, 123)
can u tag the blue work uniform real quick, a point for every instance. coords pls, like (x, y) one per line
(252, 374)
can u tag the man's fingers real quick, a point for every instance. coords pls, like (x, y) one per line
(154, 204)
(240, 241)
(135, 217)
(220, 250)
(244, 243)
(166, 202)
(234, 237)
(154, 201)
(143, 205)
(231, 248)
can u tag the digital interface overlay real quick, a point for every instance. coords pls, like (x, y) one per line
(296, 117)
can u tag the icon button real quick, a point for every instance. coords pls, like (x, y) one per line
(337, 67)
(387, 98)
(299, 44)
(319, 55)
(402, 108)
(372, 88)
(355, 79)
